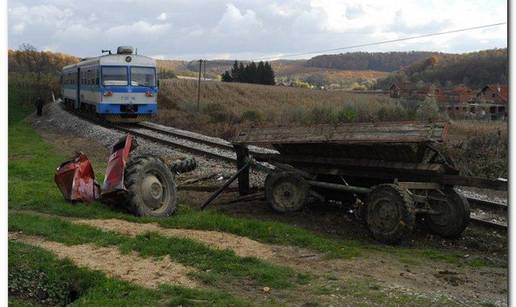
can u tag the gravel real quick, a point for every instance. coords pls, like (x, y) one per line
(56, 118)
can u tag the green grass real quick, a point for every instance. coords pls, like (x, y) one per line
(214, 265)
(37, 276)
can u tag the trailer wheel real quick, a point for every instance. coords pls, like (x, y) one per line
(453, 216)
(286, 191)
(151, 186)
(390, 213)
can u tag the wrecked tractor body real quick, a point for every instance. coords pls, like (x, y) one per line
(143, 185)
(76, 180)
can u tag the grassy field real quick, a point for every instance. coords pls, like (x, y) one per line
(226, 107)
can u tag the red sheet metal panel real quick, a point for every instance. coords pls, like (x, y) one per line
(114, 179)
(76, 180)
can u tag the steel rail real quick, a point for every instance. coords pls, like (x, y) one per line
(169, 142)
(486, 204)
(179, 134)
(488, 224)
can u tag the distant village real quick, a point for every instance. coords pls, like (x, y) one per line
(490, 102)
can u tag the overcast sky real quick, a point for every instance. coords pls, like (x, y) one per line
(224, 29)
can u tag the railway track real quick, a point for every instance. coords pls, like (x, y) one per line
(488, 206)
(223, 150)
(188, 141)
(488, 223)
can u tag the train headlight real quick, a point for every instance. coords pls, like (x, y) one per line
(108, 93)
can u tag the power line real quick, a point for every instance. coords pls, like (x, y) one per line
(384, 42)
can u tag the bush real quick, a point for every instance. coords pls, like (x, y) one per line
(322, 115)
(483, 155)
(218, 113)
(347, 115)
(428, 110)
(252, 116)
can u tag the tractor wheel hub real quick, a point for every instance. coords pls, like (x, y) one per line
(152, 191)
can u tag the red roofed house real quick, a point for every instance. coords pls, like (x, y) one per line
(493, 93)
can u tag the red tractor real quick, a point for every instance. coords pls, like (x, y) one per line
(143, 185)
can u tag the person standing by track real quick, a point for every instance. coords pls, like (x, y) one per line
(39, 106)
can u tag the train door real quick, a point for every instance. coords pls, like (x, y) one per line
(78, 89)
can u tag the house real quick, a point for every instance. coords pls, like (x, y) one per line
(394, 91)
(410, 90)
(493, 93)
(457, 95)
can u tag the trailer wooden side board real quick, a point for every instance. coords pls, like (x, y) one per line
(391, 132)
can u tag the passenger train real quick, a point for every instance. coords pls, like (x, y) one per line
(121, 87)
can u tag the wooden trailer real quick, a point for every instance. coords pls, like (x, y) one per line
(389, 172)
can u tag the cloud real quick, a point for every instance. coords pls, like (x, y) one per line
(138, 28)
(162, 17)
(251, 28)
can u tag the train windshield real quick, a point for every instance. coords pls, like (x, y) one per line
(114, 75)
(143, 76)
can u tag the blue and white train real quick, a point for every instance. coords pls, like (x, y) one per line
(121, 87)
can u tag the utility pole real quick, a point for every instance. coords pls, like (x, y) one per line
(204, 72)
(199, 87)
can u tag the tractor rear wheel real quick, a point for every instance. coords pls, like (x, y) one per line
(151, 186)
(286, 191)
(453, 213)
(390, 213)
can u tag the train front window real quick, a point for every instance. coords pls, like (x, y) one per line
(143, 76)
(114, 75)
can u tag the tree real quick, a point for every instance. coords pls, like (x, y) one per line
(428, 109)
(241, 76)
(260, 71)
(235, 72)
(226, 77)
(268, 74)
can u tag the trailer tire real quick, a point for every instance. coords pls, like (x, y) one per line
(286, 191)
(454, 217)
(151, 186)
(390, 213)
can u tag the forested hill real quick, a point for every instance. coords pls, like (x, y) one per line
(379, 61)
(30, 60)
(474, 69)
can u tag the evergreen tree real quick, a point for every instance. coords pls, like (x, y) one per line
(269, 74)
(260, 71)
(252, 73)
(235, 72)
(242, 77)
(226, 77)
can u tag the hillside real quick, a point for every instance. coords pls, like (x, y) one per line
(380, 61)
(474, 69)
(43, 62)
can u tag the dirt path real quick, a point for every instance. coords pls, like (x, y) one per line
(463, 283)
(145, 272)
(242, 246)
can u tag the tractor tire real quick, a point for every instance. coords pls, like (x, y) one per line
(151, 186)
(286, 191)
(390, 213)
(453, 215)
(183, 166)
